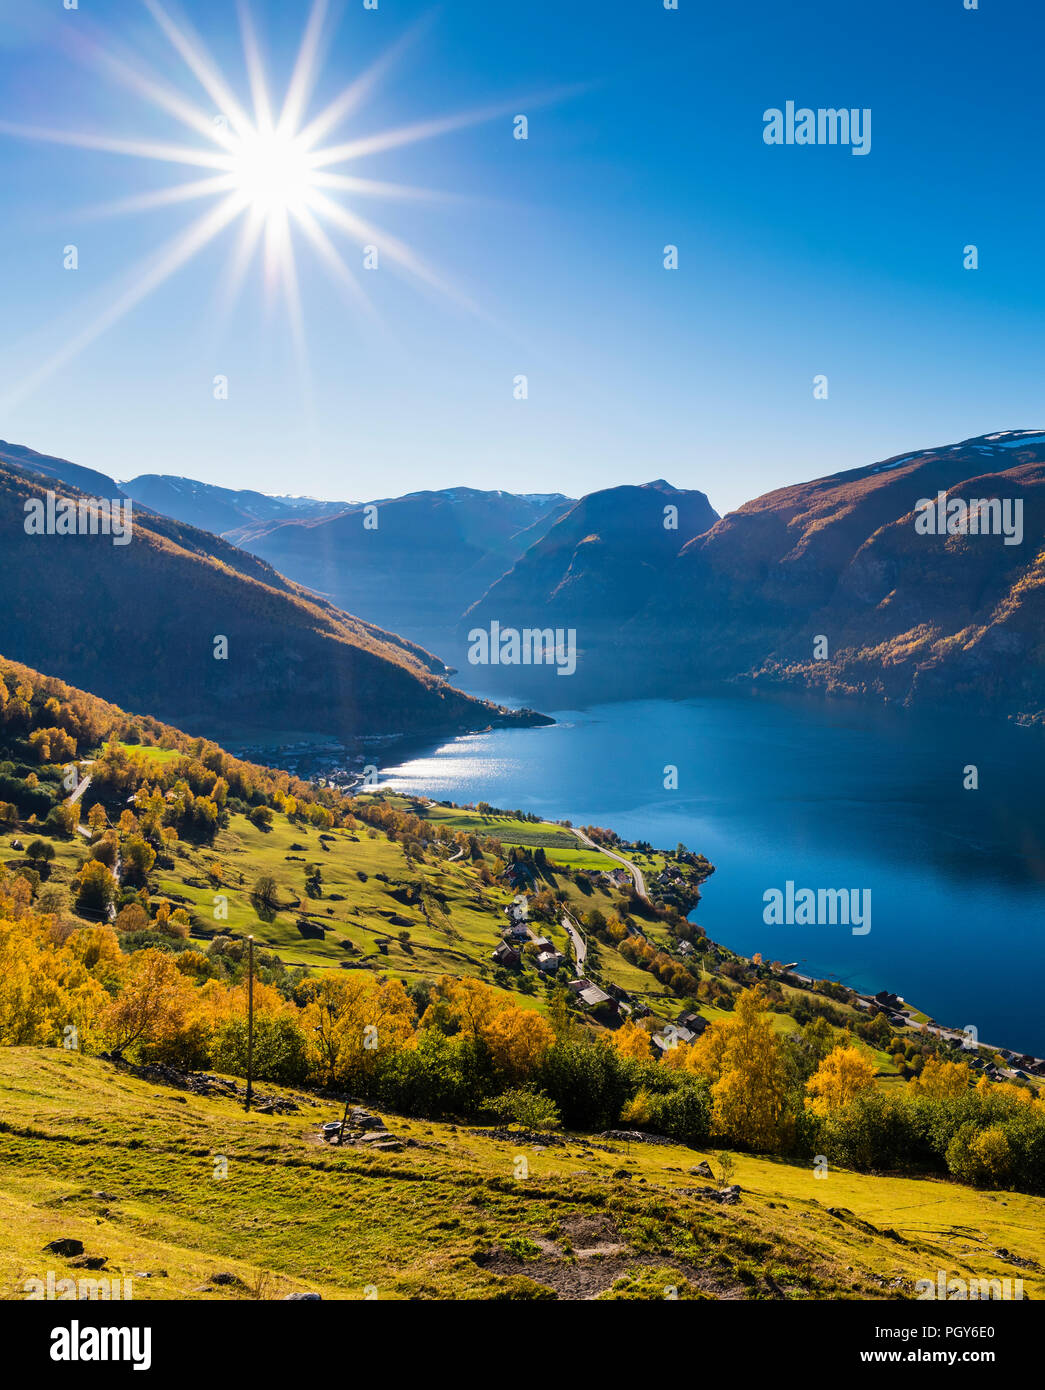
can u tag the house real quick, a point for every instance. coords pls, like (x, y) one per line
(890, 1003)
(595, 998)
(543, 944)
(518, 931)
(685, 948)
(692, 1021)
(506, 955)
(549, 960)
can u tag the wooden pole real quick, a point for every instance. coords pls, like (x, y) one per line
(250, 1018)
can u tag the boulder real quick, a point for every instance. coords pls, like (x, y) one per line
(303, 1298)
(66, 1246)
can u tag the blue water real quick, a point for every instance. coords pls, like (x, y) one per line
(829, 795)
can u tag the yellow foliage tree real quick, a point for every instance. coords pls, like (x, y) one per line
(744, 1060)
(632, 1041)
(45, 989)
(516, 1037)
(157, 1010)
(348, 1020)
(941, 1080)
(843, 1074)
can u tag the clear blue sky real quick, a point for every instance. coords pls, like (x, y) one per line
(793, 261)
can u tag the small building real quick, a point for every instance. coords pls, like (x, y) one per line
(549, 960)
(887, 1000)
(595, 998)
(694, 1022)
(507, 956)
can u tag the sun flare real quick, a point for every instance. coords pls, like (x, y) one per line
(274, 171)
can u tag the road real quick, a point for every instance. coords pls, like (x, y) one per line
(636, 873)
(580, 946)
(72, 800)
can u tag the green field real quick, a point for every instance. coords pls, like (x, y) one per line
(132, 1170)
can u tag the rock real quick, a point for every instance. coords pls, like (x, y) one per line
(65, 1246)
(729, 1195)
(91, 1262)
(377, 1136)
(392, 1147)
(636, 1136)
(303, 1298)
(702, 1170)
(226, 1279)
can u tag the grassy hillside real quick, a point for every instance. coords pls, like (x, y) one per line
(128, 1168)
(135, 862)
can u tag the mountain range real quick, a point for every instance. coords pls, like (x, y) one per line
(823, 585)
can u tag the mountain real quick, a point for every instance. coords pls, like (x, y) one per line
(139, 623)
(596, 567)
(88, 480)
(413, 563)
(909, 617)
(219, 509)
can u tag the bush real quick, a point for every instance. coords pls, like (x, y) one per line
(523, 1106)
(280, 1053)
(588, 1082)
(684, 1113)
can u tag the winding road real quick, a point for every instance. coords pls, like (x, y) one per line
(636, 873)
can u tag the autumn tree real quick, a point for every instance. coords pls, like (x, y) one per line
(841, 1075)
(96, 889)
(157, 1012)
(138, 858)
(941, 1080)
(347, 1020)
(632, 1041)
(744, 1060)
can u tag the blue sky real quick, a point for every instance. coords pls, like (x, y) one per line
(645, 129)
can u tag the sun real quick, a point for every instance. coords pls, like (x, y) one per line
(273, 174)
(276, 172)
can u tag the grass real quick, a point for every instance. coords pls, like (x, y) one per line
(159, 755)
(130, 1169)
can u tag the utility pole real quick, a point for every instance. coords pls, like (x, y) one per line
(250, 1018)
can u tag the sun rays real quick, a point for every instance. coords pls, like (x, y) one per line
(277, 172)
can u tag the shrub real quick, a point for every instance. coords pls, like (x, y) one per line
(523, 1106)
(280, 1053)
